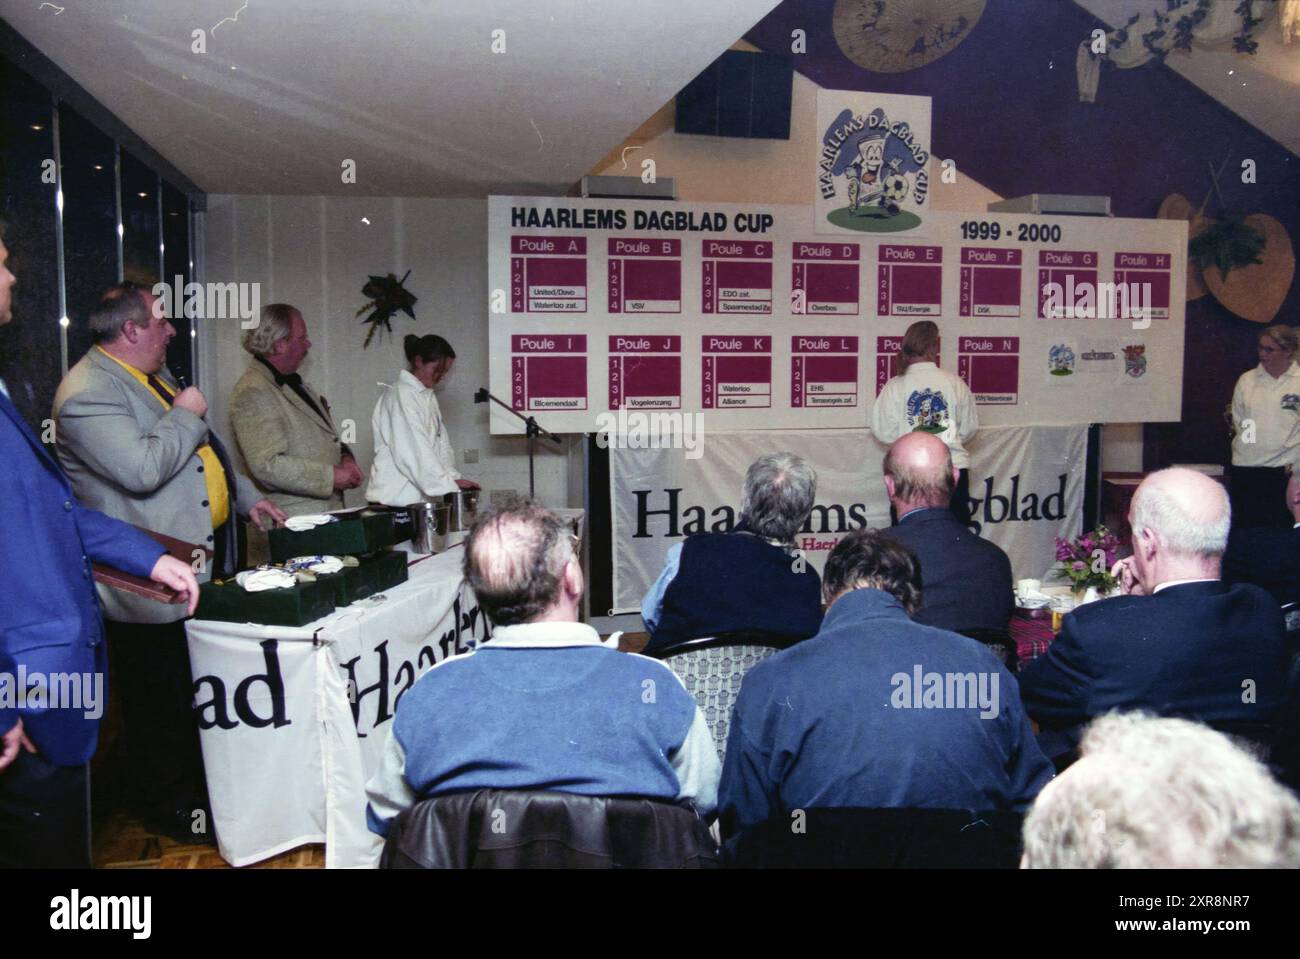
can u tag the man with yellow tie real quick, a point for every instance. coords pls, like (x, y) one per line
(135, 447)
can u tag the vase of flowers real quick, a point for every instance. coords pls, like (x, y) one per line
(1087, 561)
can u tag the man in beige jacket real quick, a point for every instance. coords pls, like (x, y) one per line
(283, 426)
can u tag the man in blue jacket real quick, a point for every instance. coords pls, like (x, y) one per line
(1179, 642)
(52, 658)
(877, 712)
(965, 580)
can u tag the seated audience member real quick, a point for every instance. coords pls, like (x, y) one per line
(965, 580)
(1180, 642)
(846, 719)
(1152, 793)
(749, 579)
(544, 705)
(1268, 557)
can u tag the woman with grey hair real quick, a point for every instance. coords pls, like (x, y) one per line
(1266, 431)
(751, 579)
(1162, 793)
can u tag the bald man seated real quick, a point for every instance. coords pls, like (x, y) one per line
(1178, 642)
(965, 580)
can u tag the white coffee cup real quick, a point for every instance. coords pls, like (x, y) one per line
(1027, 587)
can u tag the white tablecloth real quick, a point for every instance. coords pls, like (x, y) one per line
(293, 719)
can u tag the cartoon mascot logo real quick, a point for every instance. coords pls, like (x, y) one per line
(1060, 360)
(927, 411)
(882, 168)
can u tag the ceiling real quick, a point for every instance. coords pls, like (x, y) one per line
(411, 90)
(1262, 88)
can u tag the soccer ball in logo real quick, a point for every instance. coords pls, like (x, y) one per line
(894, 187)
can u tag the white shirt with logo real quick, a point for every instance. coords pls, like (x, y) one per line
(1273, 404)
(929, 399)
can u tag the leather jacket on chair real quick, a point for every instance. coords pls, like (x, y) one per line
(520, 829)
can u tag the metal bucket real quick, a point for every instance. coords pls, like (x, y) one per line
(462, 509)
(429, 522)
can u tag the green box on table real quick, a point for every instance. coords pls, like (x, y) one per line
(352, 535)
(375, 574)
(294, 606)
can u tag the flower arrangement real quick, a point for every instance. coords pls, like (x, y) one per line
(387, 296)
(1088, 560)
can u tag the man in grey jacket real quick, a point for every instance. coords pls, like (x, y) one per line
(135, 446)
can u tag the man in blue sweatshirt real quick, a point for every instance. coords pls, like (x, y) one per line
(544, 705)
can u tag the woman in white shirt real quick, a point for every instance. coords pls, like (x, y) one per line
(1266, 431)
(924, 397)
(414, 459)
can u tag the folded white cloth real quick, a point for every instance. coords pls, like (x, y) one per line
(257, 580)
(316, 564)
(300, 523)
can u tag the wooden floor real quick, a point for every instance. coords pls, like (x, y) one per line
(124, 843)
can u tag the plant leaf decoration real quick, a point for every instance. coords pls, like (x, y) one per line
(1226, 243)
(386, 295)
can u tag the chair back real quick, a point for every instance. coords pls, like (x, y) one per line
(881, 839)
(1000, 642)
(713, 668)
(533, 829)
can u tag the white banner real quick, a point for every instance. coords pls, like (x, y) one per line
(1026, 486)
(293, 720)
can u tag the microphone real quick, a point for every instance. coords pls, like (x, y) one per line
(481, 396)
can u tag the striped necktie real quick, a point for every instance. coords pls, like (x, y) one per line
(160, 388)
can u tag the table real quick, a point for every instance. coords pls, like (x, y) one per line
(1032, 628)
(1032, 636)
(292, 720)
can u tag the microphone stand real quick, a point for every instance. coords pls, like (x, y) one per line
(531, 429)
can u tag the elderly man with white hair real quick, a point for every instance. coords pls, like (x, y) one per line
(1151, 793)
(750, 579)
(1179, 642)
(283, 426)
